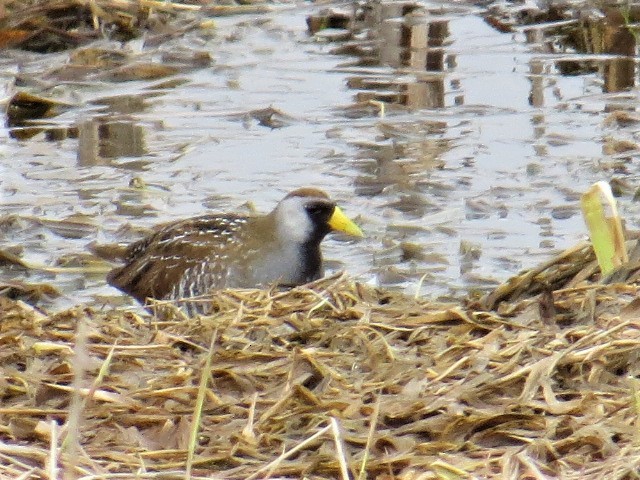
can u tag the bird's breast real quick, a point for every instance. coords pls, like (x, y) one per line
(286, 265)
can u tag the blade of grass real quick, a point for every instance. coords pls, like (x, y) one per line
(197, 411)
(362, 475)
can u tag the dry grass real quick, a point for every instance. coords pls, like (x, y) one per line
(332, 380)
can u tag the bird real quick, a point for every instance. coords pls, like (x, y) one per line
(195, 256)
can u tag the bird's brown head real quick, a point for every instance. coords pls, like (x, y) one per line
(307, 215)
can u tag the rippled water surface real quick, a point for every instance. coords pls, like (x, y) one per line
(462, 151)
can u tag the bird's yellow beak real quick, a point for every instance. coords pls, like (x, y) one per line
(341, 223)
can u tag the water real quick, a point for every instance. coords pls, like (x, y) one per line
(473, 173)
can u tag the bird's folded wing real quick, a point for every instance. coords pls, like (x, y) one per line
(157, 265)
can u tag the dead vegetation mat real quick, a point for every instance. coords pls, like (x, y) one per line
(47, 26)
(331, 380)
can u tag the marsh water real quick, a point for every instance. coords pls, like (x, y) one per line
(461, 150)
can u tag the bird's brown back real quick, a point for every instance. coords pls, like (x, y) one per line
(199, 248)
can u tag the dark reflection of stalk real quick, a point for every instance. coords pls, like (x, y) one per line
(617, 39)
(101, 139)
(438, 32)
(88, 140)
(610, 35)
(536, 97)
(412, 40)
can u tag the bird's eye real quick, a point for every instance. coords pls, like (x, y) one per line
(314, 209)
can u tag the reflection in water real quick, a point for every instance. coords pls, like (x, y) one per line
(103, 138)
(114, 134)
(409, 38)
(610, 35)
(403, 157)
(25, 111)
(426, 177)
(125, 104)
(397, 168)
(402, 61)
(619, 73)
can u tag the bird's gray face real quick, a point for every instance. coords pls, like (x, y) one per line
(303, 219)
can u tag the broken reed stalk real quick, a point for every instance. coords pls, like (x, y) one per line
(71, 443)
(248, 430)
(600, 213)
(337, 438)
(52, 461)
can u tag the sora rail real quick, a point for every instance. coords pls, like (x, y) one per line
(194, 256)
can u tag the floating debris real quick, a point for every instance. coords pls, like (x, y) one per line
(272, 117)
(30, 293)
(329, 19)
(45, 26)
(25, 106)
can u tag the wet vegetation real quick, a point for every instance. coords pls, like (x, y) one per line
(532, 376)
